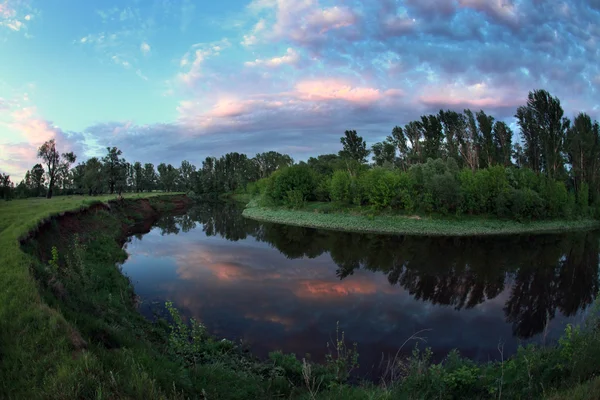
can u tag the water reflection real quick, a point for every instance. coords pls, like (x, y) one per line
(285, 287)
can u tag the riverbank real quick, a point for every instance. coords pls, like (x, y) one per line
(43, 354)
(355, 220)
(70, 328)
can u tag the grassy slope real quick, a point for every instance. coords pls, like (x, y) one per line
(36, 346)
(355, 221)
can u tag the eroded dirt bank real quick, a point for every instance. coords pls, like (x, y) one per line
(134, 216)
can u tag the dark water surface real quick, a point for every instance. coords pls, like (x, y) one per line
(282, 287)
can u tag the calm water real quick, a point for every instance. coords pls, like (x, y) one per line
(281, 287)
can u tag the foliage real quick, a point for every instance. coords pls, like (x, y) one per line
(341, 184)
(299, 178)
(57, 165)
(354, 147)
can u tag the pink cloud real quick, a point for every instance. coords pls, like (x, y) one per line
(228, 108)
(303, 21)
(479, 95)
(331, 89)
(17, 158)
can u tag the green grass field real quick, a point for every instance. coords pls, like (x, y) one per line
(317, 215)
(35, 346)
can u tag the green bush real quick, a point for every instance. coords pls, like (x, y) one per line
(469, 201)
(380, 187)
(341, 182)
(526, 204)
(323, 190)
(299, 178)
(583, 198)
(555, 197)
(258, 187)
(294, 199)
(445, 192)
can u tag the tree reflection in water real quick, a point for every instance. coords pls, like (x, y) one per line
(545, 273)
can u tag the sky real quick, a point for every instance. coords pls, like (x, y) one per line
(167, 80)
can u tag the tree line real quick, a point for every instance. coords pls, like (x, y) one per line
(112, 173)
(449, 162)
(459, 163)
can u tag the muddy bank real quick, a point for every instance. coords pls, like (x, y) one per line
(128, 217)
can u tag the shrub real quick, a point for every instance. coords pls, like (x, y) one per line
(323, 190)
(341, 182)
(299, 178)
(258, 187)
(294, 199)
(526, 204)
(469, 203)
(583, 198)
(555, 197)
(445, 192)
(380, 187)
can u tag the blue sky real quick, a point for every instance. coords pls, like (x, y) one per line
(168, 80)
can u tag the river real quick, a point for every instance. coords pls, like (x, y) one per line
(276, 287)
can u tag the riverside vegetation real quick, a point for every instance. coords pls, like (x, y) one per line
(74, 332)
(457, 167)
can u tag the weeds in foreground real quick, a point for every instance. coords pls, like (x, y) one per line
(341, 360)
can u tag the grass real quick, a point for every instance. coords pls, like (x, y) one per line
(585, 391)
(36, 341)
(324, 216)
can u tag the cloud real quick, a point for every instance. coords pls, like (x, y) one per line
(32, 130)
(16, 15)
(251, 39)
(302, 22)
(145, 48)
(193, 60)
(290, 58)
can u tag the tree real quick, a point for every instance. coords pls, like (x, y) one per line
(354, 147)
(519, 155)
(433, 136)
(452, 122)
(414, 135)
(36, 179)
(149, 177)
(52, 158)
(543, 129)
(583, 152)
(138, 177)
(471, 140)
(167, 174)
(270, 162)
(502, 143)
(384, 153)
(115, 169)
(6, 186)
(94, 176)
(486, 128)
(325, 164)
(187, 175)
(398, 139)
